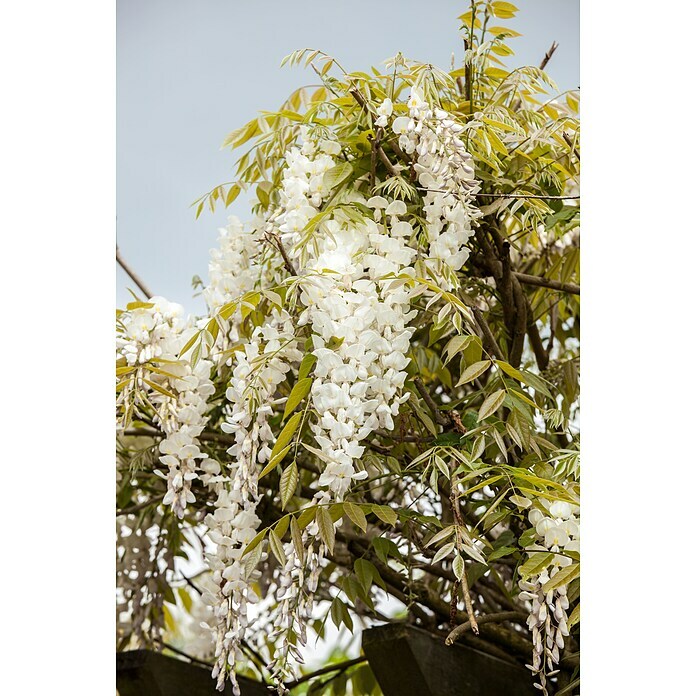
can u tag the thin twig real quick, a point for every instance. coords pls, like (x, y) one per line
(132, 275)
(566, 137)
(572, 288)
(440, 417)
(380, 152)
(488, 334)
(140, 506)
(342, 666)
(289, 267)
(209, 665)
(547, 56)
(464, 583)
(523, 195)
(488, 618)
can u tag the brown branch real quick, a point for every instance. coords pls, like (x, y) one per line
(289, 267)
(387, 163)
(488, 618)
(132, 275)
(566, 137)
(540, 353)
(520, 324)
(339, 666)
(467, 603)
(493, 346)
(440, 417)
(517, 195)
(547, 56)
(193, 659)
(571, 288)
(464, 582)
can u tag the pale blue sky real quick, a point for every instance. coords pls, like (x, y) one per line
(190, 71)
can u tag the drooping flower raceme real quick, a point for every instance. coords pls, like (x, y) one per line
(557, 531)
(446, 174)
(155, 332)
(259, 369)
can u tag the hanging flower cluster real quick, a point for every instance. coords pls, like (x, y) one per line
(183, 421)
(557, 532)
(156, 331)
(359, 319)
(233, 270)
(268, 356)
(446, 173)
(149, 331)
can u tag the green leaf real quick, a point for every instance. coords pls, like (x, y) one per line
(384, 548)
(288, 484)
(340, 614)
(503, 10)
(139, 305)
(255, 542)
(306, 516)
(562, 577)
(363, 569)
(575, 616)
(232, 194)
(306, 365)
(458, 566)
(356, 515)
(385, 513)
(296, 535)
(286, 434)
(334, 176)
(535, 564)
(274, 461)
(445, 551)
(263, 192)
(185, 598)
(282, 526)
(501, 552)
(252, 560)
(454, 346)
(473, 371)
(491, 404)
(277, 547)
(441, 536)
(326, 528)
(367, 574)
(298, 393)
(159, 388)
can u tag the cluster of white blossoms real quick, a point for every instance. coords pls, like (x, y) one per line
(358, 313)
(259, 369)
(557, 532)
(446, 174)
(303, 188)
(359, 321)
(294, 590)
(150, 331)
(233, 270)
(182, 421)
(157, 331)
